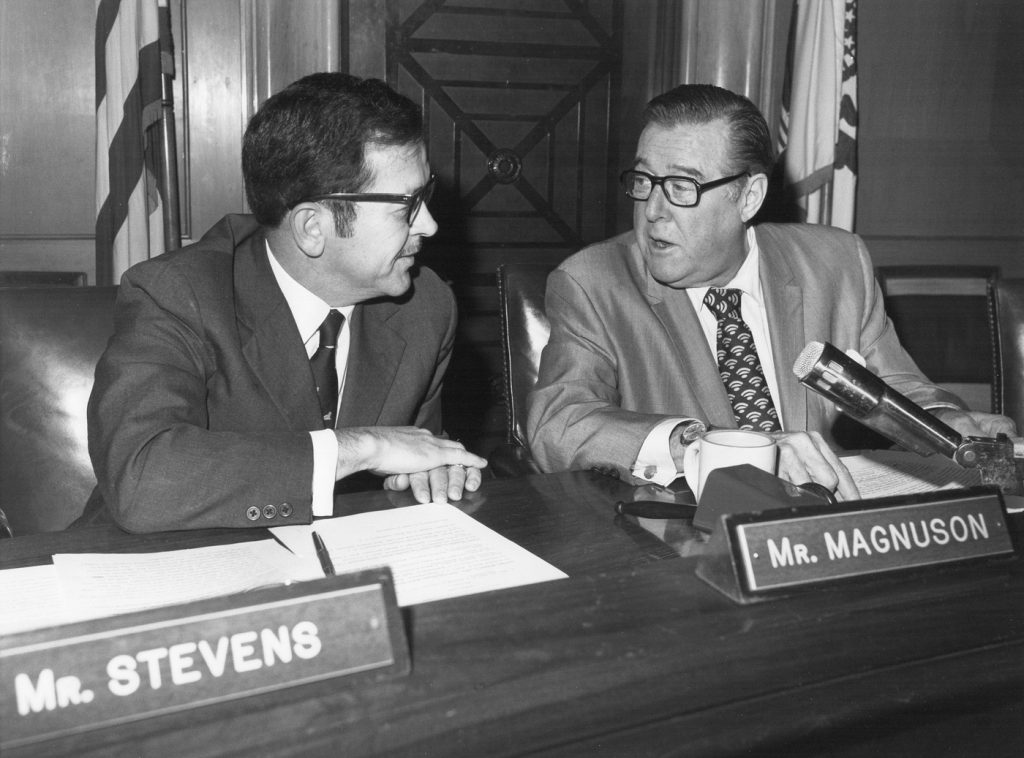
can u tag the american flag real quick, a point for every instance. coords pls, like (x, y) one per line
(129, 65)
(818, 133)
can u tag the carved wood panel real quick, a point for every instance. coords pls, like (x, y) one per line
(517, 98)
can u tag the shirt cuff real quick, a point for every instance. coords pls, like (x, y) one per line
(325, 464)
(654, 463)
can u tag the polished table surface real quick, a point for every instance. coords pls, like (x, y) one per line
(631, 655)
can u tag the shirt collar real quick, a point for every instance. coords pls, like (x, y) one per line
(308, 310)
(747, 278)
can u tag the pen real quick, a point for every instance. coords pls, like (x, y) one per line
(655, 509)
(323, 555)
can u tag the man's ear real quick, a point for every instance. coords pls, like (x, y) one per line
(310, 226)
(753, 195)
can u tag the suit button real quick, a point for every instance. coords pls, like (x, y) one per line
(269, 512)
(252, 513)
(285, 510)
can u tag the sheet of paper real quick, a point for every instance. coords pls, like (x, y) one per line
(94, 585)
(31, 599)
(435, 551)
(881, 473)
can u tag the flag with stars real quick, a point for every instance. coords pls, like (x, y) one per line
(818, 133)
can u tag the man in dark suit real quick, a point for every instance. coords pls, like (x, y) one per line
(638, 358)
(205, 410)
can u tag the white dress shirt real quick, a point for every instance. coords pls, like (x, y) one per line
(309, 312)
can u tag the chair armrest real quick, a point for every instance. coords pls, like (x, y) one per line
(508, 460)
(5, 526)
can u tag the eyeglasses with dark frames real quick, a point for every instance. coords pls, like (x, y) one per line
(412, 202)
(681, 191)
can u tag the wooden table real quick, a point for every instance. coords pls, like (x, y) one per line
(632, 655)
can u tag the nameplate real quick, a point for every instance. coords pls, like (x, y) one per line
(754, 556)
(87, 675)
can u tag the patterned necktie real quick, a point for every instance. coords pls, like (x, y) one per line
(739, 365)
(325, 367)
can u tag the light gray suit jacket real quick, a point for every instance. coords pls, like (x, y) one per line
(626, 352)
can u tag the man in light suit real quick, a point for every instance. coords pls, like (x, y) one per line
(205, 411)
(632, 361)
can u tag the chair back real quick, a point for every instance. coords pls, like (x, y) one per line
(524, 333)
(944, 316)
(1009, 317)
(50, 342)
(42, 279)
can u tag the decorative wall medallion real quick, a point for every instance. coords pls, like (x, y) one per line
(504, 166)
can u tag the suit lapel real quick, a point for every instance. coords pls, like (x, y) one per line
(375, 354)
(698, 365)
(269, 338)
(784, 303)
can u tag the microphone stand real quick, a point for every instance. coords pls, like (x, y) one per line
(860, 394)
(1000, 460)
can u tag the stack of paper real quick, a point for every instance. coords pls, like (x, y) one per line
(435, 551)
(77, 586)
(884, 473)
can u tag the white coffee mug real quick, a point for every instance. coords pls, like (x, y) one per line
(720, 448)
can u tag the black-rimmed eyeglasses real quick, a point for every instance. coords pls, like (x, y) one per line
(412, 202)
(679, 190)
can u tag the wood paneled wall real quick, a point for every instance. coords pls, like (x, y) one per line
(941, 154)
(47, 134)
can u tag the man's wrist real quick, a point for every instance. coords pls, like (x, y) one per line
(681, 438)
(660, 455)
(357, 451)
(690, 431)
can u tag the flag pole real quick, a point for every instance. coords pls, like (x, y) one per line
(168, 135)
(169, 169)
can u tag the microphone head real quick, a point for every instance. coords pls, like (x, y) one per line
(807, 358)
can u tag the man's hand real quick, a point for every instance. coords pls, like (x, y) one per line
(438, 485)
(806, 457)
(389, 450)
(976, 424)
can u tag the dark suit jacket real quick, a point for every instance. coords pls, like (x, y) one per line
(204, 398)
(625, 352)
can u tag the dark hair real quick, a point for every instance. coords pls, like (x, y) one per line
(752, 149)
(310, 138)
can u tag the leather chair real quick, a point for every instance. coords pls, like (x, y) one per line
(524, 333)
(1009, 317)
(944, 316)
(50, 341)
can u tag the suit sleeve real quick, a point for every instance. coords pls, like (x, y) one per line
(158, 462)
(574, 414)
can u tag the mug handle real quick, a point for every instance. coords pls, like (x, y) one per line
(691, 468)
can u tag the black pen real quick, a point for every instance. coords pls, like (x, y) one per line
(655, 509)
(323, 555)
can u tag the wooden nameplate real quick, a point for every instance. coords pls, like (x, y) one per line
(768, 554)
(92, 674)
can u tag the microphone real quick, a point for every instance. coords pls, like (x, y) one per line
(862, 395)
